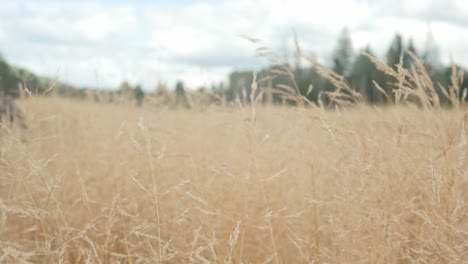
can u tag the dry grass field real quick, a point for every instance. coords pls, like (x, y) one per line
(114, 184)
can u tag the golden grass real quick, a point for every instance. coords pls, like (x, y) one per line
(107, 184)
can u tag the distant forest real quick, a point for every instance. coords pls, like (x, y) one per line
(357, 69)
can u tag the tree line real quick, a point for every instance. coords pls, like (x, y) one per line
(356, 68)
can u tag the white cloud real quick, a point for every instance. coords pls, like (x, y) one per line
(99, 44)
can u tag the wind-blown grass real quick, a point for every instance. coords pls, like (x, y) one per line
(101, 184)
(252, 184)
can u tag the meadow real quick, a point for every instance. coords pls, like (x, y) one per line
(98, 183)
(246, 183)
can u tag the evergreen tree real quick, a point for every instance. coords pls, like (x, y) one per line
(431, 60)
(31, 81)
(181, 97)
(239, 83)
(430, 55)
(395, 51)
(306, 77)
(8, 79)
(343, 54)
(393, 55)
(139, 95)
(407, 61)
(363, 74)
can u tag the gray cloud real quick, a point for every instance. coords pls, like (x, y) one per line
(151, 43)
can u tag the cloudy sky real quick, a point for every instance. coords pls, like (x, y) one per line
(102, 43)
